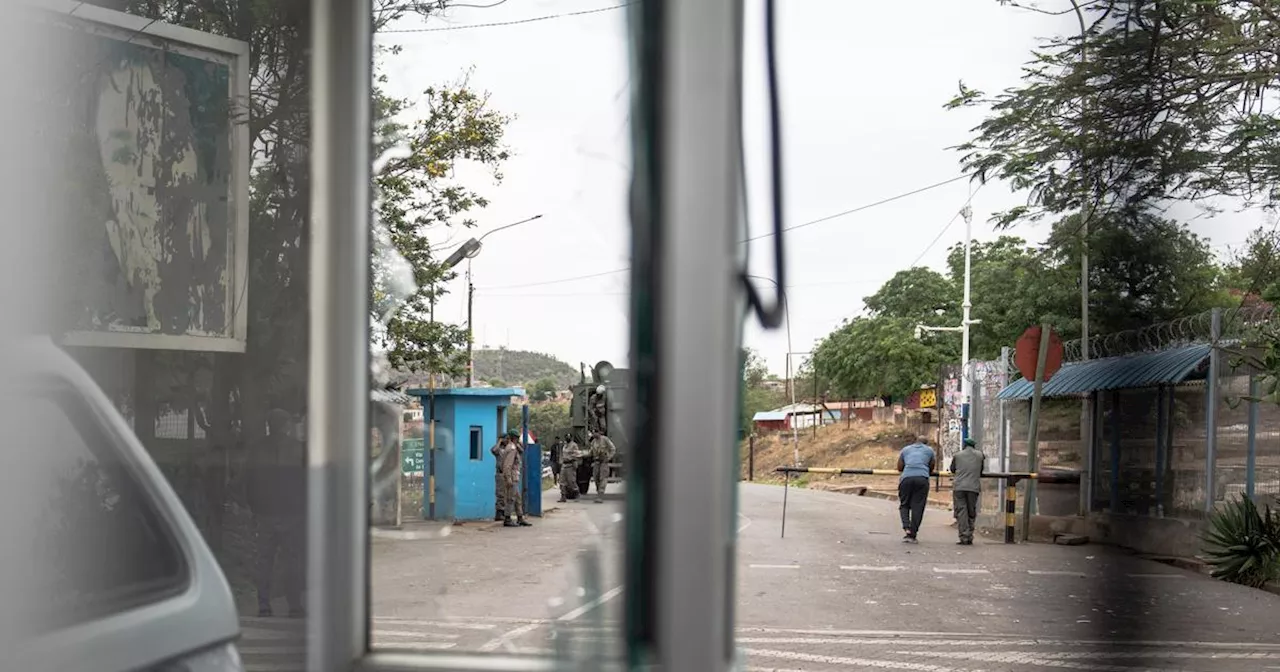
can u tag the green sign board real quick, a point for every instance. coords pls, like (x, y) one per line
(412, 456)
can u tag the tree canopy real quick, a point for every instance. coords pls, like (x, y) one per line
(1151, 272)
(1150, 101)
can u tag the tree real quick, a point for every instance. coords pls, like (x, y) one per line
(753, 395)
(920, 294)
(416, 192)
(754, 370)
(544, 389)
(1142, 272)
(880, 356)
(1014, 286)
(1256, 270)
(1153, 100)
(549, 421)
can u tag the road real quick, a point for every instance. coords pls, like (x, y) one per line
(840, 592)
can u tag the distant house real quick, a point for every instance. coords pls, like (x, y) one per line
(794, 416)
(774, 385)
(769, 421)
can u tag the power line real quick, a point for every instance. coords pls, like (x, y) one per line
(820, 220)
(860, 208)
(517, 22)
(556, 282)
(948, 225)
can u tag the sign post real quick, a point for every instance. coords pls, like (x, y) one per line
(1048, 359)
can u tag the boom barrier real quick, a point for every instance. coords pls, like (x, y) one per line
(1011, 478)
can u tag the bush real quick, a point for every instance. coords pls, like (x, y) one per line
(1242, 543)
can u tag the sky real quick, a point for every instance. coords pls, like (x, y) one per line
(862, 91)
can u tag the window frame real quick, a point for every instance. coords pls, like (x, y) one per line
(475, 437)
(86, 422)
(679, 571)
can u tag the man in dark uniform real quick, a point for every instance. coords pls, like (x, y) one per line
(277, 500)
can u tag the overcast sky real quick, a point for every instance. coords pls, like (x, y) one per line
(863, 86)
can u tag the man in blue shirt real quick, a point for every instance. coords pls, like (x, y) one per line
(915, 463)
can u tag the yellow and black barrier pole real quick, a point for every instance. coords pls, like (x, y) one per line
(1010, 492)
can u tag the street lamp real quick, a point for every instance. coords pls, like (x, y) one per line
(468, 250)
(966, 390)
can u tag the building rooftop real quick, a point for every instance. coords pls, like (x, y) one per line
(470, 392)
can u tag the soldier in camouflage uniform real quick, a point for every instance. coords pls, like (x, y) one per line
(500, 508)
(512, 461)
(568, 476)
(602, 451)
(596, 410)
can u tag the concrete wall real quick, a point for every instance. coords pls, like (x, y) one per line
(473, 486)
(445, 452)
(385, 464)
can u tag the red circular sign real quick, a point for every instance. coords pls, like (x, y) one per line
(1028, 351)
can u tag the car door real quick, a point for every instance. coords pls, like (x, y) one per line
(124, 580)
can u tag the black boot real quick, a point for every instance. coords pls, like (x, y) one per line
(523, 523)
(507, 522)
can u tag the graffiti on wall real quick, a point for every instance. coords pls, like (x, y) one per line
(950, 390)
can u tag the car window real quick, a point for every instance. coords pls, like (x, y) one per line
(106, 548)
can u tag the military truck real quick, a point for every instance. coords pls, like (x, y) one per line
(600, 402)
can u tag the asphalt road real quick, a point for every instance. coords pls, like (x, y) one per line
(840, 592)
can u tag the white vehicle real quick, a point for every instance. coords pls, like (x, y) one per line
(121, 578)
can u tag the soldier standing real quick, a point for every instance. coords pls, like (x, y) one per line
(512, 461)
(500, 508)
(966, 471)
(568, 476)
(597, 410)
(602, 451)
(277, 498)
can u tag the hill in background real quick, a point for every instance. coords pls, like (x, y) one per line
(521, 367)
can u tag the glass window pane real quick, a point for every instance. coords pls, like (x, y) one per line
(107, 548)
(179, 135)
(484, 132)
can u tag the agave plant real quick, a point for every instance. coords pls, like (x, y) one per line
(1242, 543)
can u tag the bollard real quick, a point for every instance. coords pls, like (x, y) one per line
(1010, 510)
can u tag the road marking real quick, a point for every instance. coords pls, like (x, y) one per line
(987, 638)
(942, 570)
(417, 646)
(774, 566)
(1054, 572)
(858, 663)
(744, 525)
(270, 650)
(414, 633)
(506, 637)
(870, 568)
(1037, 660)
(591, 605)
(458, 625)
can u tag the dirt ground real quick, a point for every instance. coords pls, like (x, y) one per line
(857, 445)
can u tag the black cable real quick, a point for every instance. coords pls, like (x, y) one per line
(771, 317)
(517, 22)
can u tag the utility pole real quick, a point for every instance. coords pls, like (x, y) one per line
(1085, 214)
(965, 384)
(471, 362)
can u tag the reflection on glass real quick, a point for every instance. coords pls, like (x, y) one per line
(184, 297)
(496, 508)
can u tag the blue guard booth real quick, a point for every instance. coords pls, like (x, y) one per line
(468, 423)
